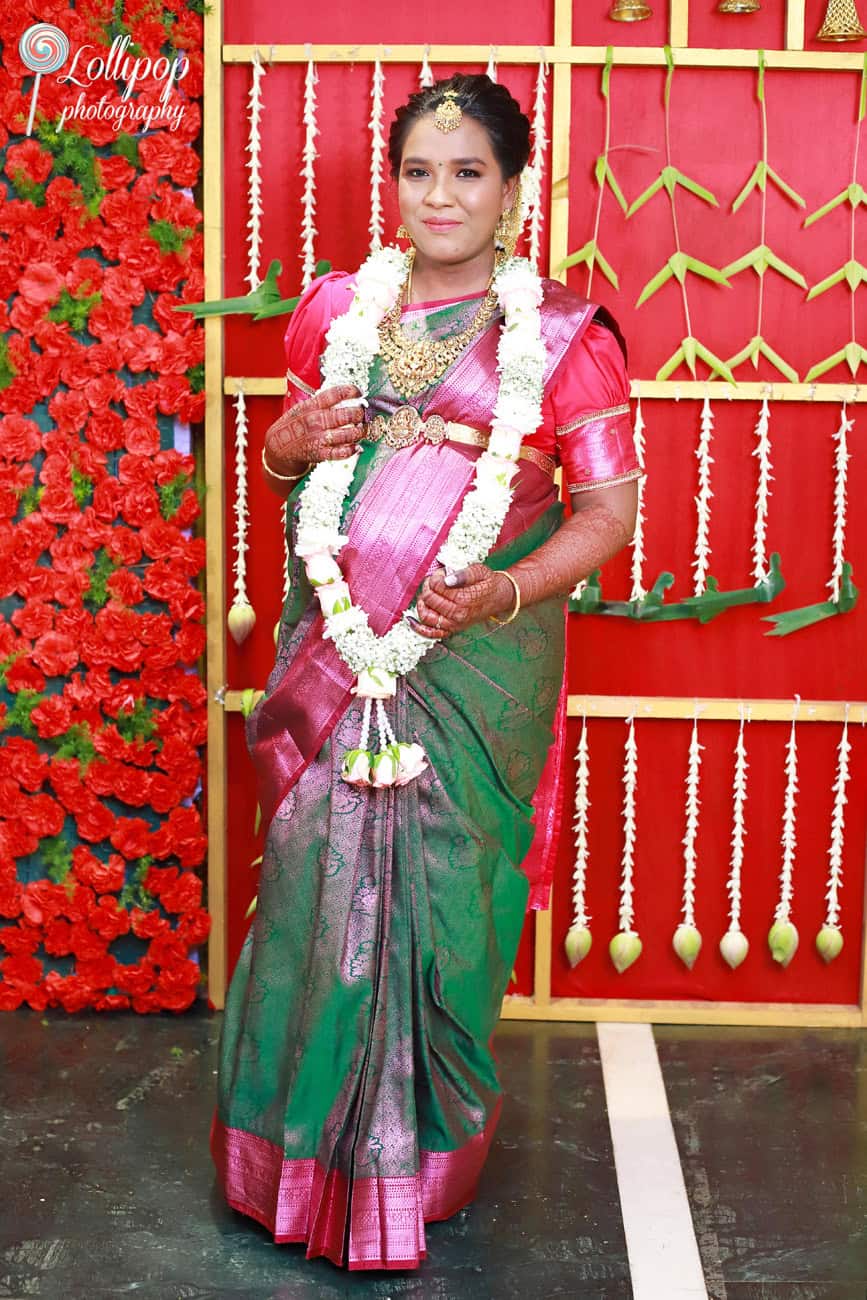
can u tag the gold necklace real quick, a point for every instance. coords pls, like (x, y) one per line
(414, 364)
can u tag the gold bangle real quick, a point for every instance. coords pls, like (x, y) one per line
(504, 621)
(283, 478)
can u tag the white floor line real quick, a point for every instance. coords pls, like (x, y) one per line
(664, 1258)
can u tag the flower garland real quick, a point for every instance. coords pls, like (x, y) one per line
(702, 501)
(308, 202)
(242, 617)
(377, 156)
(841, 463)
(352, 344)
(537, 163)
(254, 167)
(625, 947)
(734, 944)
(762, 451)
(579, 939)
(783, 935)
(829, 940)
(687, 939)
(639, 591)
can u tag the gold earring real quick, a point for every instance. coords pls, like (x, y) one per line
(403, 233)
(508, 228)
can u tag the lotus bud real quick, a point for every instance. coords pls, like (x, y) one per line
(829, 942)
(376, 684)
(783, 941)
(410, 764)
(334, 598)
(577, 943)
(383, 769)
(356, 766)
(687, 944)
(248, 699)
(734, 947)
(241, 620)
(625, 948)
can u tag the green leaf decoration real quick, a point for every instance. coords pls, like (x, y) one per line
(756, 179)
(669, 178)
(862, 100)
(262, 303)
(678, 265)
(758, 347)
(604, 175)
(592, 254)
(854, 273)
(760, 259)
(793, 620)
(853, 193)
(656, 283)
(686, 355)
(853, 354)
(652, 609)
(606, 71)
(785, 188)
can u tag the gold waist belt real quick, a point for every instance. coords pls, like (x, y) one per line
(406, 426)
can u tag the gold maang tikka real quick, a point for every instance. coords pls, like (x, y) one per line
(448, 115)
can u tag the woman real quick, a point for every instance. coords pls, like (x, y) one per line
(358, 1093)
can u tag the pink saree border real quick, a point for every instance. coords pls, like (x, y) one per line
(298, 1200)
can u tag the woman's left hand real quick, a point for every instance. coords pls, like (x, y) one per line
(477, 593)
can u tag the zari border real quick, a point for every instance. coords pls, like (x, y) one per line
(589, 418)
(297, 382)
(298, 1200)
(606, 482)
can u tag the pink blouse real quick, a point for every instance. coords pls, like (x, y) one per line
(586, 425)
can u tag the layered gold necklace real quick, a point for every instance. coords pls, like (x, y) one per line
(414, 364)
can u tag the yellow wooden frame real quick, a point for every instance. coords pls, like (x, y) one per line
(562, 56)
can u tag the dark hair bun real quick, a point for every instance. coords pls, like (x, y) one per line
(489, 103)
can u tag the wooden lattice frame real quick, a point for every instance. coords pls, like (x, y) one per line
(562, 56)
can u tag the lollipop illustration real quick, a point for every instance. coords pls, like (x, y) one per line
(43, 48)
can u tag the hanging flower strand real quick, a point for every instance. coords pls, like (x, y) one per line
(377, 154)
(639, 591)
(242, 617)
(734, 945)
(625, 947)
(426, 76)
(254, 181)
(537, 164)
(702, 501)
(308, 203)
(491, 69)
(579, 939)
(829, 940)
(783, 936)
(762, 451)
(687, 939)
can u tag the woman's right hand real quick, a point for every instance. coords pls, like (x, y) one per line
(314, 430)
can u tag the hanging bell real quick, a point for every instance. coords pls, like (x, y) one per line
(841, 22)
(738, 6)
(629, 11)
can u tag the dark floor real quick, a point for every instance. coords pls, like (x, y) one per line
(108, 1189)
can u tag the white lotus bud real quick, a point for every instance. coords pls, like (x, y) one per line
(625, 948)
(375, 684)
(687, 944)
(241, 621)
(734, 947)
(577, 944)
(829, 942)
(783, 941)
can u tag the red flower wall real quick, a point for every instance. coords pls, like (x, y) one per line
(102, 709)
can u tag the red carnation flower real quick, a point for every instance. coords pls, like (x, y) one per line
(97, 972)
(21, 969)
(55, 654)
(22, 760)
(135, 978)
(40, 285)
(105, 431)
(108, 918)
(86, 942)
(29, 159)
(58, 938)
(185, 895)
(104, 877)
(147, 925)
(24, 676)
(142, 437)
(131, 836)
(20, 439)
(111, 1002)
(20, 938)
(51, 717)
(10, 997)
(94, 821)
(115, 172)
(194, 927)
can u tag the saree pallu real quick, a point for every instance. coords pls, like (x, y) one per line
(358, 1092)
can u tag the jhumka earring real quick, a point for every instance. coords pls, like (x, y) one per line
(402, 233)
(508, 228)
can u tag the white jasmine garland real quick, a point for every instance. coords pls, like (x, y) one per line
(352, 343)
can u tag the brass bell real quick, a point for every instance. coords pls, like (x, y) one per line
(841, 22)
(629, 11)
(738, 6)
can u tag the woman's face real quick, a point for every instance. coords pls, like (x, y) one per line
(451, 191)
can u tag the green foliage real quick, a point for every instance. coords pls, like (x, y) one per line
(200, 7)
(19, 714)
(76, 742)
(669, 179)
(687, 353)
(592, 254)
(117, 26)
(134, 893)
(196, 376)
(8, 370)
(703, 608)
(762, 173)
(31, 497)
(171, 494)
(126, 146)
(28, 189)
(103, 567)
(678, 265)
(74, 156)
(74, 310)
(758, 347)
(853, 194)
(6, 664)
(261, 304)
(854, 273)
(56, 853)
(760, 259)
(170, 238)
(82, 486)
(853, 354)
(139, 724)
(793, 620)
